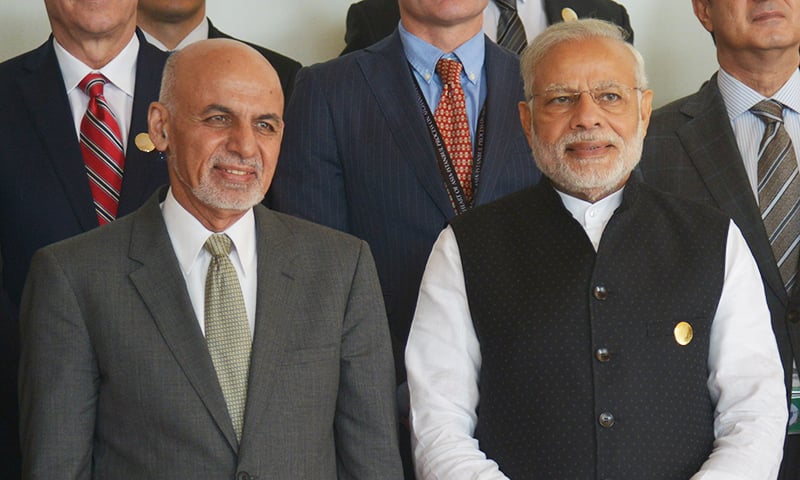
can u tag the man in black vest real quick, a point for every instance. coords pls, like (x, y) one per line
(590, 326)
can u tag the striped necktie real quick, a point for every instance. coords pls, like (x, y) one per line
(451, 120)
(779, 189)
(510, 31)
(101, 146)
(227, 330)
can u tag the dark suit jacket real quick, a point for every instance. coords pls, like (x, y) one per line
(286, 67)
(358, 156)
(44, 190)
(117, 381)
(690, 150)
(371, 20)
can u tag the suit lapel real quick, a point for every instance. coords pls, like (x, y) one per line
(386, 65)
(710, 143)
(142, 168)
(213, 32)
(275, 278)
(504, 86)
(43, 91)
(163, 289)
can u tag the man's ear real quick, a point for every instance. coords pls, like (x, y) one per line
(703, 13)
(158, 125)
(525, 119)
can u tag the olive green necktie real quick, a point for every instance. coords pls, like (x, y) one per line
(227, 329)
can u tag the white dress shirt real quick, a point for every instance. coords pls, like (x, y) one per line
(531, 13)
(121, 75)
(188, 236)
(443, 361)
(200, 32)
(748, 127)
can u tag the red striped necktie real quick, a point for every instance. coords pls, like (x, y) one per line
(101, 145)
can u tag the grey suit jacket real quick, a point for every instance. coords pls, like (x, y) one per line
(690, 150)
(117, 381)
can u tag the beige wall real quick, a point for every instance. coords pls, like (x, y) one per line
(679, 53)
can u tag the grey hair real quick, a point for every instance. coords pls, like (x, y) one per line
(583, 29)
(167, 93)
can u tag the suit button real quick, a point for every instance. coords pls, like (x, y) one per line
(606, 420)
(242, 476)
(600, 292)
(793, 316)
(602, 355)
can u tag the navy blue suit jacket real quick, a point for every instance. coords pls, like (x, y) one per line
(44, 190)
(357, 156)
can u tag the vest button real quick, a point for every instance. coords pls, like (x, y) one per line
(602, 355)
(600, 292)
(606, 420)
(793, 316)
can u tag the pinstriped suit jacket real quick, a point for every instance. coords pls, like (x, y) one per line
(357, 156)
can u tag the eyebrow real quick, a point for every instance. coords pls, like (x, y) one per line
(562, 87)
(215, 107)
(270, 116)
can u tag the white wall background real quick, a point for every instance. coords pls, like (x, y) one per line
(678, 51)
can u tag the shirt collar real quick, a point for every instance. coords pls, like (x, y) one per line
(423, 56)
(200, 32)
(739, 98)
(188, 235)
(120, 71)
(602, 209)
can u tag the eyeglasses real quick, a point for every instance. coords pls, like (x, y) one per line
(612, 98)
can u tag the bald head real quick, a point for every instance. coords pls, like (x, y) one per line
(209, 59)
(219, 121)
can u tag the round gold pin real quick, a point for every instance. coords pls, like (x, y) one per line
(144, 143)
(683, 333)
(568, 15)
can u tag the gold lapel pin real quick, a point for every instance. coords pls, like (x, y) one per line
(683, 333)
(568, 14)
(144, 143)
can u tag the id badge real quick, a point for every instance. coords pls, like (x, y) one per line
(794, 407)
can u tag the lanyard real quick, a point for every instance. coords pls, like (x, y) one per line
(451, 183)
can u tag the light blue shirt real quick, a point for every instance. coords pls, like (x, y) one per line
(422, 56)
(749, 128)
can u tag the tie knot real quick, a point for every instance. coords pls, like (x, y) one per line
(449, 71)
(219, 245)
(506, 4)
(769, 111)
(93, 84)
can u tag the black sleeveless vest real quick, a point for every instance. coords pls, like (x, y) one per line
(582, 376)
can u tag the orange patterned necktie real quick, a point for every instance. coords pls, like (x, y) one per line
(451, 120)
(101, 146)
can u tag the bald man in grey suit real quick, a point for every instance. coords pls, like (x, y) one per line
(117, 378)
